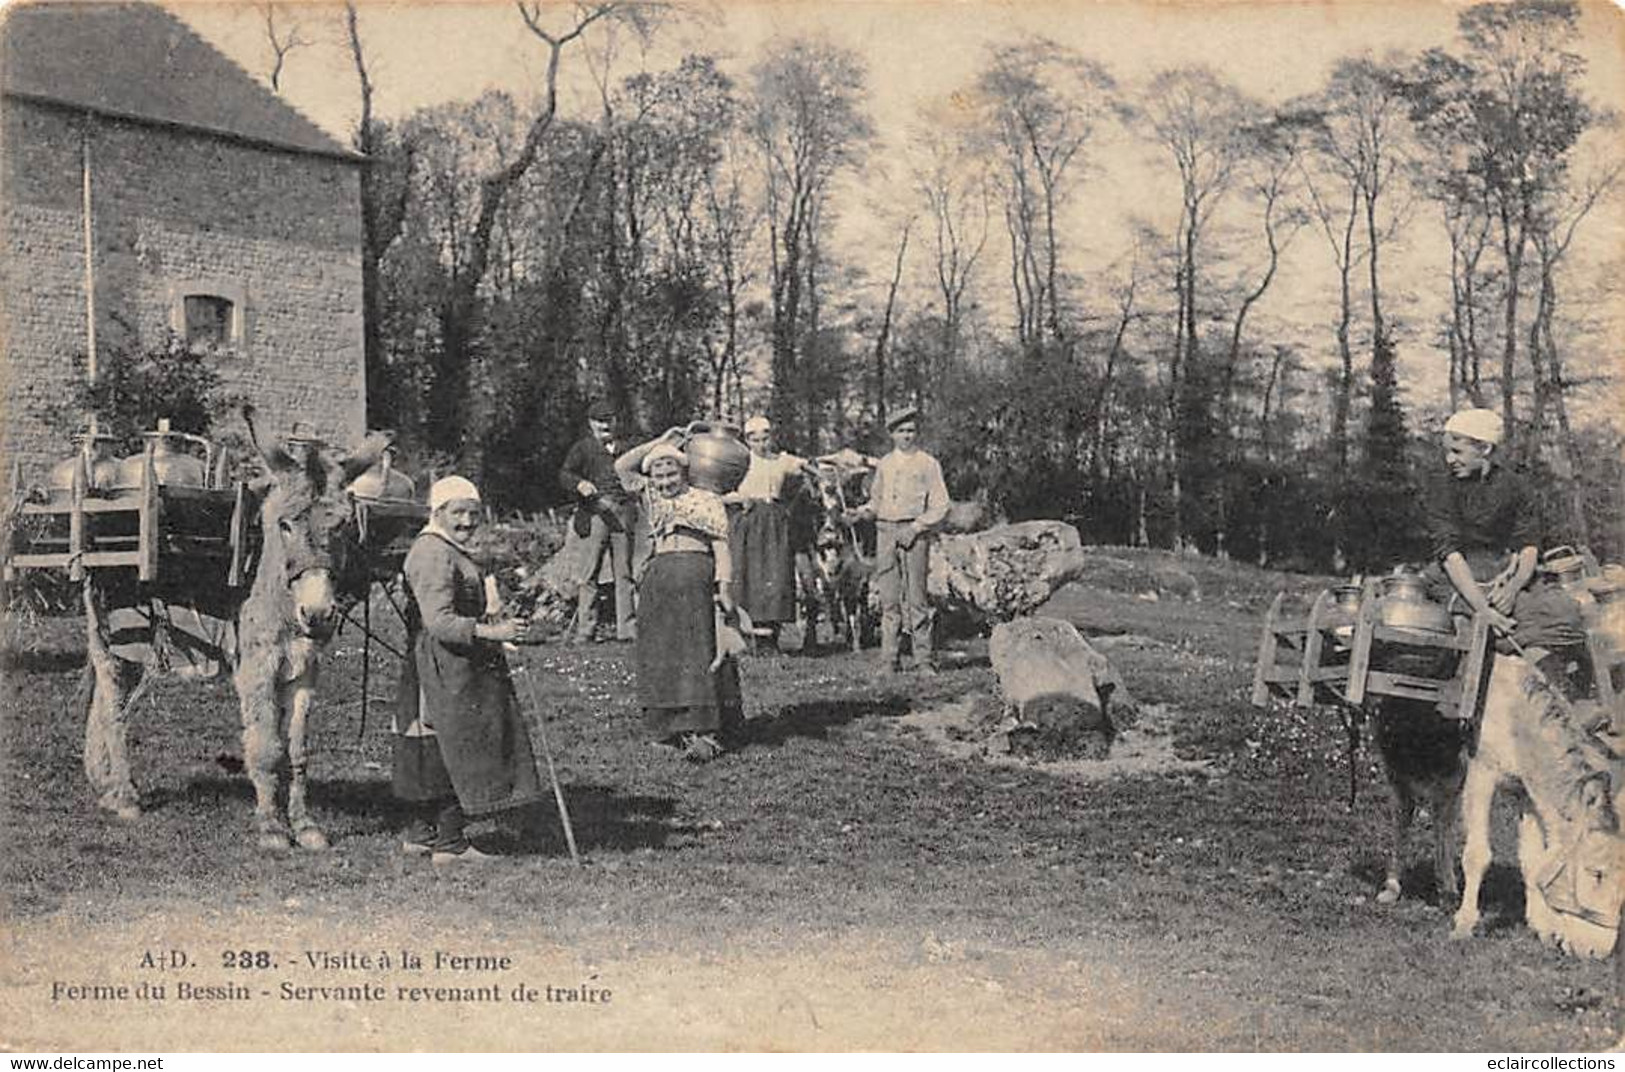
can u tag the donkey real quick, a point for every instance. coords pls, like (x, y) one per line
(282, 624)
(1570, 847)
(1424, 755)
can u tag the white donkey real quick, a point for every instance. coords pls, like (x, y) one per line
(282, 624)
(1570, 847)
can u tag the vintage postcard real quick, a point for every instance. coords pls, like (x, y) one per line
(895, 525)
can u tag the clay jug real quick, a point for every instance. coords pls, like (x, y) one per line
(717, 461)
(1405, 605)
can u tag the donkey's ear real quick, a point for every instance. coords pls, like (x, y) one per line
(279, 462)
(365, 456)
(317, 470)
(276, 460)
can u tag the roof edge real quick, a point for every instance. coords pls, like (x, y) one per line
(338, 153)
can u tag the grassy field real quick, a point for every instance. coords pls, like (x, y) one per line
(841, 881)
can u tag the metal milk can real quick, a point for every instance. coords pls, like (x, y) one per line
(93, 451)
(1404, 604)
(717, 461)
(383, 481)
(170, 464)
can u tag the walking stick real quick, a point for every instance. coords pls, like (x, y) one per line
(366, 661)
(512, 651)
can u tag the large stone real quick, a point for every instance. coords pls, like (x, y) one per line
(1004, 572)
(1057, 690)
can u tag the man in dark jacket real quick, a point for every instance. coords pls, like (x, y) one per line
(1483, 526)
(603, 522)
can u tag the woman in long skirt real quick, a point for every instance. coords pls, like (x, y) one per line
(689, 693)
(461, 747)
(763, 558)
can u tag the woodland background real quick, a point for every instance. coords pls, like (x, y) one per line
(1232, 378)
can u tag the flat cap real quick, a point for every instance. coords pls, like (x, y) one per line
(906, 415)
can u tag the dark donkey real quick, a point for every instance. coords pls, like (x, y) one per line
(281, 626)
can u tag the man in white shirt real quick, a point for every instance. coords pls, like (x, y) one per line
(907, 501)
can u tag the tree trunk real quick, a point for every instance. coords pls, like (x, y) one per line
(1513, 243)
(885, 327)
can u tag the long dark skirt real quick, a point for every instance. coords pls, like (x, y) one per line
(677, 639)
(764, 564)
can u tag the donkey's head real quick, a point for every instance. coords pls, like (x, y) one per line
(308, 521)
(1577, 785)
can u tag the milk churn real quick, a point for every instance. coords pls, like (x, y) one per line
(170, 464)
(383, 480)
(1344, 610)
(717, 461)
(94, 452)
(1405, 605)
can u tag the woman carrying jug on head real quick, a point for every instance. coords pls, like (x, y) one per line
(689, 693)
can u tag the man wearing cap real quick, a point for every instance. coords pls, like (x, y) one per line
(1484, 532)
(603, 521)
(907, 500)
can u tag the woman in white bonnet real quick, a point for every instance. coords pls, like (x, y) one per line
(689, 694)
(763, 560)
(461, 747)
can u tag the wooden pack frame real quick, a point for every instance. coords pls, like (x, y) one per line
(1323, 669)
(171, 532)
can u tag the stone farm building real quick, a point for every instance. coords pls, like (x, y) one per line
(216, 211)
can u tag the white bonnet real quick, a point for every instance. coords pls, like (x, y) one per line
(450, 489)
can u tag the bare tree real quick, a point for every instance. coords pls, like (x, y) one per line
(730, 220)
(1125, 297)
(884, 336)
(1042, 104)
(1358, 123)
(809, 126)
(386, 185)
(1509, 111)
(1199, 119)
(458, 311)
(1553, 235)
(282, 42)
(954, 184)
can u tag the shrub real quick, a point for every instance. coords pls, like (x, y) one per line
(134, 388)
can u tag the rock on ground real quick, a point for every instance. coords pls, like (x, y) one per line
(1056, 690)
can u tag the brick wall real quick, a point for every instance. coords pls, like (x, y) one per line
(280, 230)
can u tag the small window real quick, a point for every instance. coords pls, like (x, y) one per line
(208, 320)
(209, 313)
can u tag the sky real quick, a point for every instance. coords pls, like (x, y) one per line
(919, 51)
